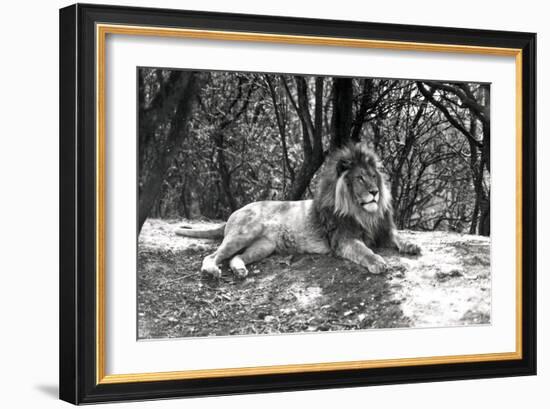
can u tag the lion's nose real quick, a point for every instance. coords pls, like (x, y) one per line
(373, 192)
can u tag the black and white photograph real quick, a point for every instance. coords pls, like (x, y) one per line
(288, 204)
(280, 203)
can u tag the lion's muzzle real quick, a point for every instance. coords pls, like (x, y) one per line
(370, 201)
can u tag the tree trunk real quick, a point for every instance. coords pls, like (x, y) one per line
(476, 167)
(281, 125)
(478, 188)
(182, 208)
(485, 219)
(361, 116)
(182, 96)
(224, 173)
(157, 111)
(312, 135)
(342, 112)
(302, 180)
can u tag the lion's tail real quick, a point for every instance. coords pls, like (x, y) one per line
(213, 233)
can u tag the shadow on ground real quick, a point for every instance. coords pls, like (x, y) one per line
(51, 391)
(449, 284)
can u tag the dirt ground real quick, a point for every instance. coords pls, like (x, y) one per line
(448, 285)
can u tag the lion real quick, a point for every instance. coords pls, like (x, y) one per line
(349, 216)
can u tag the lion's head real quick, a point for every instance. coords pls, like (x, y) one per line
(352, 185)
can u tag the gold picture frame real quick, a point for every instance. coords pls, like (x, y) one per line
(106, 21)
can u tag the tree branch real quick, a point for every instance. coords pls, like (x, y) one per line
(446, 113)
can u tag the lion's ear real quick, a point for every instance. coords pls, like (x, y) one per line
(342, 166)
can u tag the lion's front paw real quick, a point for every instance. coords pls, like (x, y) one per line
(377, 265)
(409, 248)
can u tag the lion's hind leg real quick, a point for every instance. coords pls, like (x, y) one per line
(258, 250)
(231, 244)
(209, 266)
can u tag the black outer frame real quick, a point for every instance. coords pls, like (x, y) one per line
(78, 212)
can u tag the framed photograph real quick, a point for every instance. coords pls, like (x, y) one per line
(257, 203)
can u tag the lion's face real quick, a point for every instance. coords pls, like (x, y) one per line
(357, 187)
(364, 185)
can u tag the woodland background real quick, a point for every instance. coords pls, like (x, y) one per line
(211, 142)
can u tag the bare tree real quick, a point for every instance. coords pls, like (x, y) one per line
(312, 132)
(168, 113)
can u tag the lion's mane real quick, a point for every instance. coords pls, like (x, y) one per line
(337, 209)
